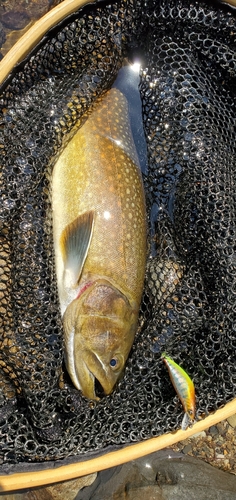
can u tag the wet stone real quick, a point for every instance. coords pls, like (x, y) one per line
(163, 475)
(17, 16)
(147, 492)
(2, 35)
(15, 20)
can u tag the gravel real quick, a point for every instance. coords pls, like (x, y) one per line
(216, 445)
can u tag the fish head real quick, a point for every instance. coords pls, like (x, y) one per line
(99, 331)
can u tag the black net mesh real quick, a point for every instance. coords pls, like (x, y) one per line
(188, 309)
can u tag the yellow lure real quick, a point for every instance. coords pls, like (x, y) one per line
(184, 387)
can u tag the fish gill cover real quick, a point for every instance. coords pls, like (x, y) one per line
(188, 310)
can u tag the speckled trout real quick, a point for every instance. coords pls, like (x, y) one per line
(99, 226)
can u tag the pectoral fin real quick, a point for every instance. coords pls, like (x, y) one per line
(75, 242)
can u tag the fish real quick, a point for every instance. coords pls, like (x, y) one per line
(184, 387)
(99, 232)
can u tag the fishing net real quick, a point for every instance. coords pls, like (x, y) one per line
(187, 88)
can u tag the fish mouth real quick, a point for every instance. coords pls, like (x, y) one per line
(92, 378)
(87, 371)
(99, 391)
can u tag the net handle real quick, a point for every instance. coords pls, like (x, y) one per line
(31, 479)
(30, 39)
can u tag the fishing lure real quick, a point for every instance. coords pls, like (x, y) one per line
(184, 387)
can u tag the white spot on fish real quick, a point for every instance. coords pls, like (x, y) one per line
(106, 215)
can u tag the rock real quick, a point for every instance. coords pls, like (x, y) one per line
(187, 449)
(2, 35)
(207, 451)
(15, 19)
(69, 489)
(213, 430)
(221, 428)
(201, 434)
(232, 420)
(144, 493)
(162, 476)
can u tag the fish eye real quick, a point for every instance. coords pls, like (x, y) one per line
(113, 362)
(116, 362)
